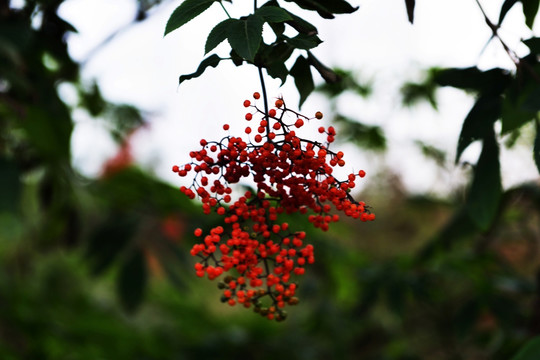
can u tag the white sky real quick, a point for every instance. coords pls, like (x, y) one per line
(141, 67)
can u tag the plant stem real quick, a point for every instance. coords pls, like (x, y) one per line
(223, 7)
(265, 99)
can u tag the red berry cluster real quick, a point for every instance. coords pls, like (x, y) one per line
(291, 175)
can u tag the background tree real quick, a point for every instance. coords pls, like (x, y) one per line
(431, 279)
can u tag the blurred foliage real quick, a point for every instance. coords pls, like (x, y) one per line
(99, 268)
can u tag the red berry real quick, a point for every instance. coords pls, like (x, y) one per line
(256, 95)
(247, 103)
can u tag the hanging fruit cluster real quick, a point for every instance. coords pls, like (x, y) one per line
(290, 174)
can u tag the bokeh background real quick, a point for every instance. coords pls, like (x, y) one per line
(95, 236)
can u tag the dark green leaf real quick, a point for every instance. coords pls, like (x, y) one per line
(217, 35)
(278, 28)
(245, 36)
(459, 226)
(529, 351)
(49, 134)
(10, 185)
(301, 25)
(92, 100)
(302, 78)
(278, 53)
(212, 60)
(493, 81)
(520, 103)
(479, 121)
(506, 6)
(531, 102)
(108, 240)
(485, 192)
(329, 75)
(533, 44)
(278, 70)
(304, 42)
(273, 14)
(187, 11)
(144, 193)
(413, 93)
(325, 8)
(365, 136)
(410, 9)
(125, 118)
(536, 149)
(530, 9)
(236, 59)
(132, 280)
(346, 81)
(432, 152)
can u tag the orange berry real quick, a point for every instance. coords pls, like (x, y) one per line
(318, 115)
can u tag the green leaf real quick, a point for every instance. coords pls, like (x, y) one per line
(132, 280)
(530, 9)
(536, 149)
(410, 9)
(485, 192)
(329, 75)
(303, 41)
(48, 133)
(493, 81)
(278, 70)
(365, 136)
(458, 227)
(245, 36)
(506, 6)
(10, 185)
(108, 240)
(273, 14)
(479, 121)
(212, 60)
(325, 8)
(432, 152)
(529, 351)
(533, 44)
(92, 100)
(520, 103)
(302, 78)
(186, 12)
(217, 35)
(301, 25)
